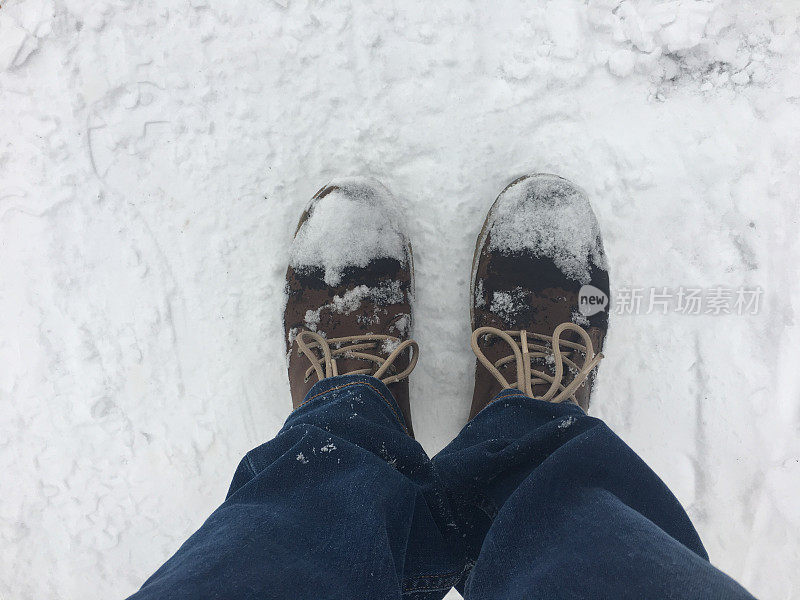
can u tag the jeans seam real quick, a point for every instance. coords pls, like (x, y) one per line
(487, 507)
(446, 580)
(520, 397)
(251, 465)
(510, 396)
(372, 387)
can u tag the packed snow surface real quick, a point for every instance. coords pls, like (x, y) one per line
(155, 158)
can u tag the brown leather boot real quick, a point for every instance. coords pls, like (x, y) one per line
(350, 283)
(539, 294)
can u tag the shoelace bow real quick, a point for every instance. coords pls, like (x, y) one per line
(524, 353)
(323, 353)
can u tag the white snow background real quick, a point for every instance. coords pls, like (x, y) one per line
(155, 157)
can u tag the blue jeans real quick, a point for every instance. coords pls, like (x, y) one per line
(531, 500)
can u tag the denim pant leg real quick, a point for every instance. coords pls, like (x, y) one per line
(554, 506)
(341, 504)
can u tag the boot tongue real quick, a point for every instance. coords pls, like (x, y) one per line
(497, 349)
(542, 364)
(346, 363)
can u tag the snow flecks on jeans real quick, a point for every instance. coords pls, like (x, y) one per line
(385, 455)
(566, 422)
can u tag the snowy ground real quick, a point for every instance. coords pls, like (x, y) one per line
(154, 157)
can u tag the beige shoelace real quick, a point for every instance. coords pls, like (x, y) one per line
(354, 346)
(525, 352)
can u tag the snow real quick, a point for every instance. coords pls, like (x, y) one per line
(387, 292)
(402, 325)
(579, 319)
(556, 222)
(566, 422)
(507, 304)
(352, 225)
(155, 158)
(390, 345)
(311, 320)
